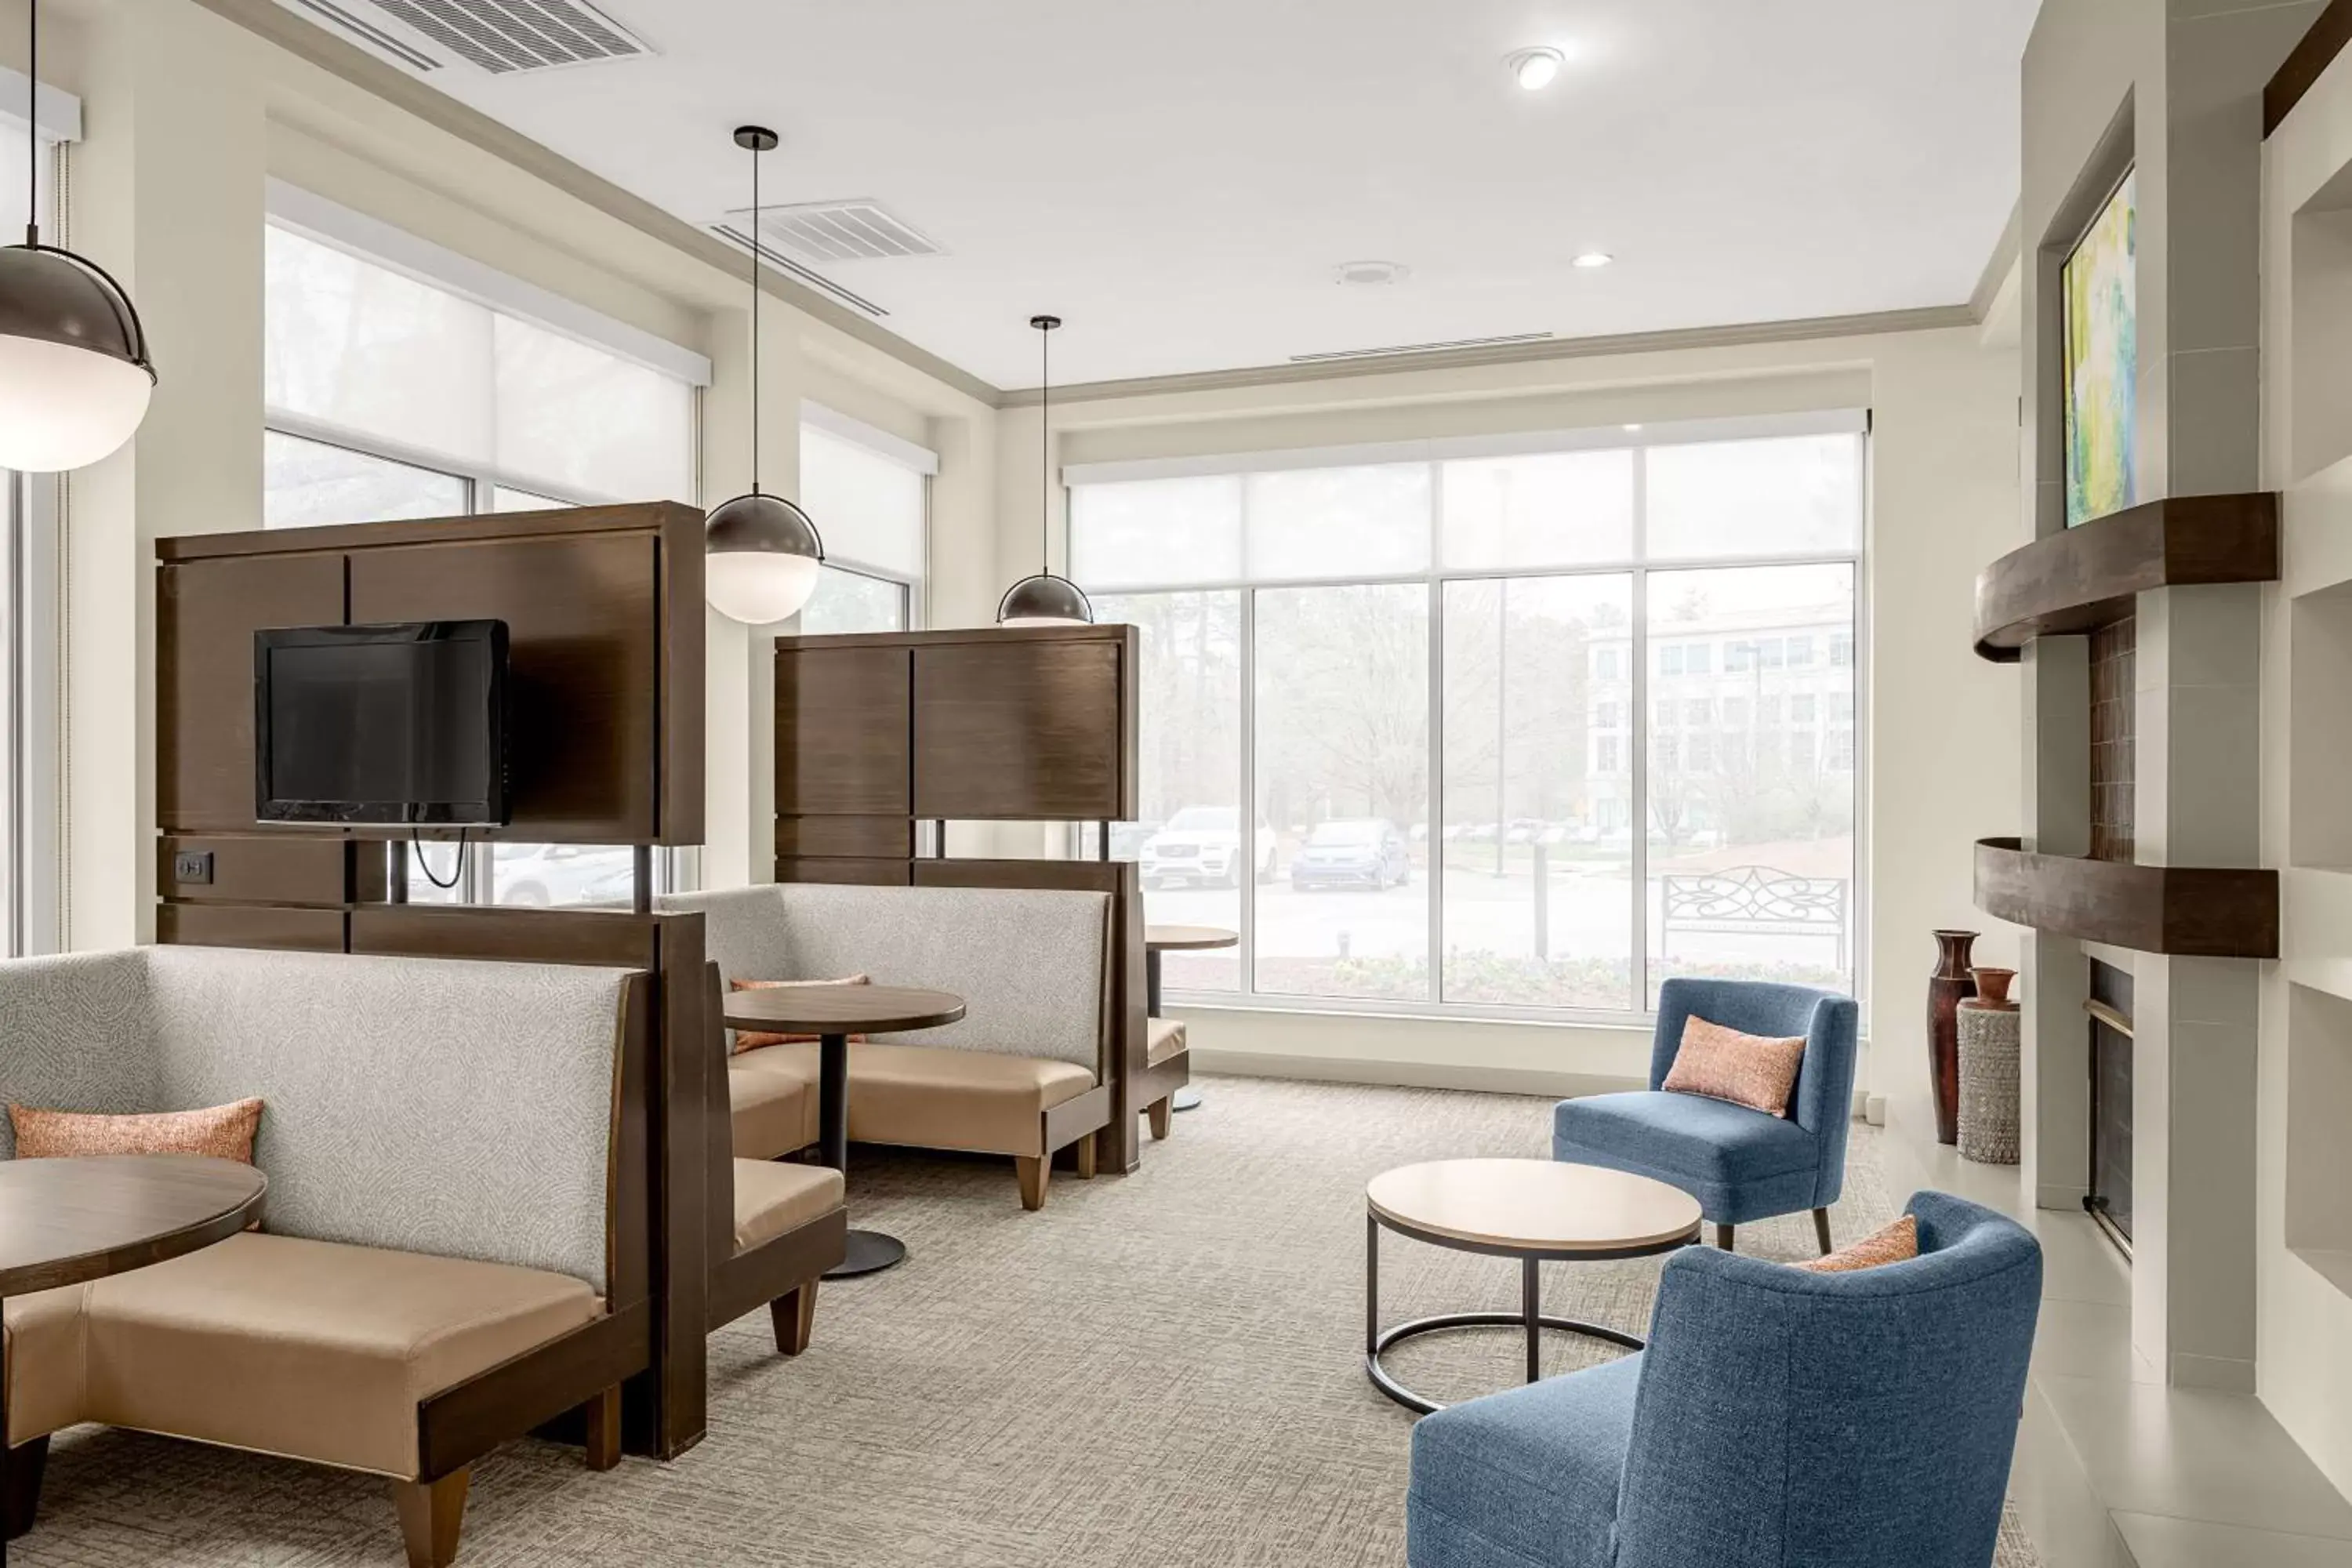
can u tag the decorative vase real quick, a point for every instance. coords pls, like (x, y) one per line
(1989, 1068)
(1948, 987)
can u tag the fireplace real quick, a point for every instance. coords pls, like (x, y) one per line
(2110, 1008)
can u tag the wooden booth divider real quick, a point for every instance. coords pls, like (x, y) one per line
(605, 612)
(878, 732)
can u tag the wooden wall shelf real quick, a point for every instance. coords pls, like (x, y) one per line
(2193, 910)
(2088, 577)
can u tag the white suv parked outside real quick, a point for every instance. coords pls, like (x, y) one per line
(1201, 846)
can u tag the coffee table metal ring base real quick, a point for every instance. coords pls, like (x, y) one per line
(1384, 1380)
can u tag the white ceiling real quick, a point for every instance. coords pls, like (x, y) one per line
(1178, 178)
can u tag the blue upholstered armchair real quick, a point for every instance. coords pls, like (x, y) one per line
(1740, 1164)
(1859, 1420)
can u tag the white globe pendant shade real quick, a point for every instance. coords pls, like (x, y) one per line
(75, 378)
(65, 407)
(762, 561)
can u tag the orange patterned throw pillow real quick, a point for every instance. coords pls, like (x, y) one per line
(752, 1039)
(222, 1133)
(1897, 1243)
(1753, 1070)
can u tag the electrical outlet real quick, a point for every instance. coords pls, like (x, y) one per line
(193, 866)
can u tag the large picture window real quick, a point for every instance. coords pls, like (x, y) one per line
(1516, 733)
(872, 507)
(390, 398)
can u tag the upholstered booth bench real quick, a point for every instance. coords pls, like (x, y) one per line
(457, 1246)
(1026, 1073)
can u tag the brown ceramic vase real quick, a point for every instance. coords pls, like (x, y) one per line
(1948, 987)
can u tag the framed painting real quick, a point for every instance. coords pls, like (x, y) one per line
(2102, 361)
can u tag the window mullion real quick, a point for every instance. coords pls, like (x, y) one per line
(1245, 820)
(1638, 740)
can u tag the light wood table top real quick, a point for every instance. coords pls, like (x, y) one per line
(841, 1010)
(1534, 1205)
(1189, 939)
(66, 1221)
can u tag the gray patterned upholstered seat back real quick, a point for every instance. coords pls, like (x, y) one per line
(77, 1033)
(1028, 963)
(429, 1105)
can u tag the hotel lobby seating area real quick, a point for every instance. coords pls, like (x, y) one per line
(1354, 785)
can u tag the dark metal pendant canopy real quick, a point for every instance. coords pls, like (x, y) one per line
(75, 376)
(1044, 600)
(763, 551)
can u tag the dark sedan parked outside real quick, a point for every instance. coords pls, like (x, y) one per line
(1363, 852)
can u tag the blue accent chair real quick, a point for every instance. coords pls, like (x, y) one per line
(1779, 1417)
(1740, 1164)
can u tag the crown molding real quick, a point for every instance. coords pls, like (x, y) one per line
(307, 41)
(1936, 318)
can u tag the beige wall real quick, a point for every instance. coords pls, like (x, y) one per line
(186, 116)
(1942, 767)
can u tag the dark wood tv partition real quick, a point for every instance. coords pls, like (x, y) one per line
(878, 732)
(605, 612)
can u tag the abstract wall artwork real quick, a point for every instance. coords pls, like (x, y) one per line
(2102, 361)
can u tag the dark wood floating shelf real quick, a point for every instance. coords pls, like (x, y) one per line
(2091, 576)
(2196, 911)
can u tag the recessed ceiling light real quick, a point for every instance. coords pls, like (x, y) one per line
(1632, 429)
(1590, 259)
(1533, 69)
(1370, 273)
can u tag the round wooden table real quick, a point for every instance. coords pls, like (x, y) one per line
(1158, 939)
(1536, 1211)
(833, 1014)
(65, 1222)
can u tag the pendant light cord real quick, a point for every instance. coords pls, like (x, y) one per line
(32, 131)
(1045, 450)
(755, 320)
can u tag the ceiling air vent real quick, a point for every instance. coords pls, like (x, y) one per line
(361, 30)
(506, 35)
(733, 233)
(826, 233)
(1396, 348)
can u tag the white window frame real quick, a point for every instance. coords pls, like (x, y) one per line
(1640, 733)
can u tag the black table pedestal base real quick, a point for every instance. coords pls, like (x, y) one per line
(870, 1252)
(1388, 1385)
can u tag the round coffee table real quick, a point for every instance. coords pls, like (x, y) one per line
(833, 1014)
(1158, 939)
(1536, 1211)
(65, 1222)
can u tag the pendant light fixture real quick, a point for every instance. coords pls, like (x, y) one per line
(1044, 600)
(75, 377)
(763, 551)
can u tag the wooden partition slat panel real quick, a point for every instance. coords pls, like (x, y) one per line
(584, 654)
(251, 925)
(1020, 731)
(205, 614)
(844, 720)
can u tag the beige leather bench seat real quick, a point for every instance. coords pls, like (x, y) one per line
(44, 1362)
(1165, 1040)
(772, 1097)
(243, 1342)
(771, 1197)
(924, 1097)
(936, 1097)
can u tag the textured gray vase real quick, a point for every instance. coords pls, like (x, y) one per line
(1989, 1069)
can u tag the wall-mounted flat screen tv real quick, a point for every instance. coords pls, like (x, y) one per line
(382, 724)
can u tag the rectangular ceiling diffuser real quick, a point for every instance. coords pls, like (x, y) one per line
(506, 35)
(828, 232)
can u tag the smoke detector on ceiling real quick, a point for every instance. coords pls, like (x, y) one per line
(499, 38)
(1370, 273)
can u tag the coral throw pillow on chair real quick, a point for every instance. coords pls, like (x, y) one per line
(1753, 1070)
(753, 1039)
(222, 1133)
(1897, 1243)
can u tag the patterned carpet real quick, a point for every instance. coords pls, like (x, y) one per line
(1163, 1369)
